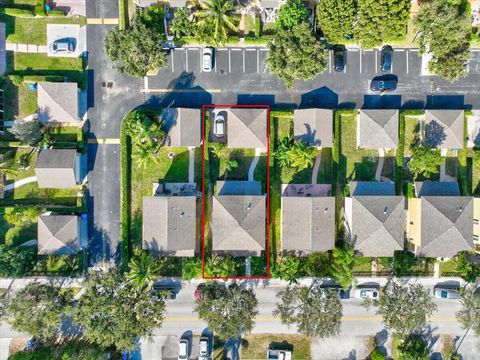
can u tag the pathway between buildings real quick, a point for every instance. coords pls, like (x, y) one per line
(381, 160)
(253, 165)
(19, 183)
(316, 167)
(191, 164)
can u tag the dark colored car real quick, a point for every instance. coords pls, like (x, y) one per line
(339, 58)
(384, 83)
(386, 58)
(66, 45)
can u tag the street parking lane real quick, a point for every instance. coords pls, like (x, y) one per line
(251, 56)
(179, 61)
(352, 64)
(236, 60)
(262, 56)
(414, 62)
(194, 60)
(368, 61)
(399, 62)
(221, 61)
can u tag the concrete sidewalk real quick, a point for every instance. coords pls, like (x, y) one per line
(27, 48)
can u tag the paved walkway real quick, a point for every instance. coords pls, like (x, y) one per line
(316, 167)
(381, 160)
(191, 165)
(19, 183)
(26, 48)
(253, 165)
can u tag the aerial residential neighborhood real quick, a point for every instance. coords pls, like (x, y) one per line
(222, 179)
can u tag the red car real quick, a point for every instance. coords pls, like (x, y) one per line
(199, 291)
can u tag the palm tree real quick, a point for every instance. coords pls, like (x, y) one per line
(143, 269)
(300, 156)
(341, 266)
(142, 156)
(215, 20)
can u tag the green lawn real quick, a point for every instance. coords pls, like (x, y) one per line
(448, 268)
(411, 133)
(64, 265)
(255, 346)
(475, 179)
(363, 265)
(12, 235)
(33, 30)
(360, 163)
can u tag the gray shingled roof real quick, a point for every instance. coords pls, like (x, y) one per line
(437, 188)
(377, 224)
(183, 127)
(246, 128)
(377, 129)
(3, 52)
(447, 225)
(58, 102)
(308, 224)
(444, 128)
(55, 168)
(313, 126)
(360, 188)
(238, 225)
(169, 225)
(239, 187)
(57, 234)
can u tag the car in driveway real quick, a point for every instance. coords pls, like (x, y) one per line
(219, 125)
(207, 59)
(367, 292)
(441, 292)
(386, 58)
(204, 352)
(342, 293)
(383, 83)
(65, 45)
(339, 58)
(183, 349)
(273, 354)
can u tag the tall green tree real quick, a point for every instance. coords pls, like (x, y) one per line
(414, 347)
(469, 314)
(300, 156)
(21, 216)
(288, 268)
(181, 23)
(341, 268)
(404, 308)
(444, 31)
(142, 269)
(37, 310)
(137, 49)
(336, 19)
(17, 260)
(424, 161)
(228, 310)
(292, 13)
(315, 311)
(28, 131)
(114, 311)
(379, 21)
(215, 21)
(296, 54)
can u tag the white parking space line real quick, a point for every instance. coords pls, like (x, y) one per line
(345, 68)
(258, 61)
(361, 54)
(393, 58)
(414, 49)
(406, 52)
(376, 61)
(243, 56)
(329, 61)
(186, 60)
(229, 62)
(171, 58)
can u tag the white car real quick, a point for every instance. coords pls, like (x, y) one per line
(207, 59)
(204, 353)
(219, 125)
(367, 293)
(183, 349)
(446, 293)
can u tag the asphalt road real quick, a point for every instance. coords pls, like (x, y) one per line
(107, 107)
(241, 76)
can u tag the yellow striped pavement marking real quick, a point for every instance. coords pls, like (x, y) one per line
(94, 21)
(100, 21)
(344, 318)
(104, 141)
(184, 90)
(110, 21)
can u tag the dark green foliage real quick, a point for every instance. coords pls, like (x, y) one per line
(377, 354)
(406, 263)
(318, 264)
(445, 31)
(466, 269)
(414, 347)
(399, 156)
(289, 268)
(291, 14)
(381, 20)
(409, 190)
(191, 268)
(137, 49)
(216, 18)
(17, 260)
(181, 24)
(296, 54)
(425, 161)
(227, 309)
(336, 18)
(27, 131)
(469, 314)
(72, 350)
(315, 311)
(343, 260)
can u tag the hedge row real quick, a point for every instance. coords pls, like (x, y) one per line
(125, 192)
(16, 12)
(399, 155)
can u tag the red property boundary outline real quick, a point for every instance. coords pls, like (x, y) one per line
(267, 236)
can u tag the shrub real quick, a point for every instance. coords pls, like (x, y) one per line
(346, 190)
(191, 268)
(38, 78)
(292, 13)
(40, 10)
(16, 12)
(16, 79)
(258, 27)
(318, 264)
(21, 216)
(467, 270)
(409, 190)
(17, 260)
(377, 354)
(12, 235)
(414, 347)
(56, 13)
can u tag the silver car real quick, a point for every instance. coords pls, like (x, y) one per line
(207, 59)
(204, 353)
(183, 349)
(367, 293)
(446, 293)
(219, 125)
(65, 45)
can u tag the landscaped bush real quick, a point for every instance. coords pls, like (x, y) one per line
(126, 192)
(258, 27)
(318, 264)
(405, 263)
(409, 190)
(16, 12)
(191, 268)
(39, 78)
(466, 269)
(17, 260)
(40, 10)
(377, 354)
(16, 79)
(56, 13)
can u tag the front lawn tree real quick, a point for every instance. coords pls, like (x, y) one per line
(296, 54)
(444, 31)
(137, 49)
(37, 310)
(114, 311)
(336, 19)
(379, 21)
(228, 310)
(215, 21)
(27, 131)
(404, 308)
(291, 14)
(313, 310)
(341, 267)
(469, 314)
(142, 269)
(425, 161)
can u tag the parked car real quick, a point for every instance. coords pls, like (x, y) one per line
(219, 125)
(342, 293)
(279, 354)
(384, 83)
(204, 353)
(65, 45)
(164, 291)
(207, 63)
(386, 58)
(339, 58)
(370, 292)
(183, 349)
(446, 293)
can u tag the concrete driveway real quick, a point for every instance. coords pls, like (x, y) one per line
(71, 7)
(62, 31)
